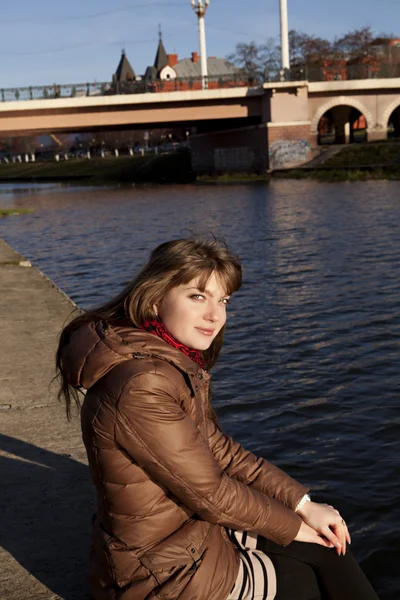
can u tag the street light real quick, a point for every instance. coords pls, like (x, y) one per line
(284, 39)
(200, 8)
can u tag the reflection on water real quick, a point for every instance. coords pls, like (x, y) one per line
(309, 374)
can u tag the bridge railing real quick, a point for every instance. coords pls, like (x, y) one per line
(343, 72)
(75, 90)
(142, 86)
(47, 92)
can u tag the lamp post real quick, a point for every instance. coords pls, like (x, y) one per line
(284, 39)
(200, 8)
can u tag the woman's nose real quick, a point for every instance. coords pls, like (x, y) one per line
(212, 313)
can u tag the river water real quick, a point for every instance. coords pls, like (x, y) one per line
(309, 375)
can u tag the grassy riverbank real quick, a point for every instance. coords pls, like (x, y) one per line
(11, 212)
(374, 154)
(232, 178)
(165, 168)
(356, 162)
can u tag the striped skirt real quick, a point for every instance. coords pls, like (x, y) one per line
(256, 578)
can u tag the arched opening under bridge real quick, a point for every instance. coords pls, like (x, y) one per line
(394, 124)
(342, 124)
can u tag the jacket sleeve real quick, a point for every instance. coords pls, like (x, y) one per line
(257, 473)
(157, 434)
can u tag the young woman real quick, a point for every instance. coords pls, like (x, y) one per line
(183, 511)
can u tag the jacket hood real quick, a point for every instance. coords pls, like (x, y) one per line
(96, 348)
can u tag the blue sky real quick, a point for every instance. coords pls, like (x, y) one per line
(47, 42)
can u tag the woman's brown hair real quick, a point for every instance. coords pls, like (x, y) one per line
(171, 264)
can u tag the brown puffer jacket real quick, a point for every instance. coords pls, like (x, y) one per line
(168, 481)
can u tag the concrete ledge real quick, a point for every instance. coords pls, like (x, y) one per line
(47, 498)
(353, 85)
(130, 99)
(289, 124)
(282, 85)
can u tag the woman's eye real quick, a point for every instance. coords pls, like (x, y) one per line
(197, 296)
(225, 301)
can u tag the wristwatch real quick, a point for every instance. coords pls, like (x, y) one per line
(305, 498)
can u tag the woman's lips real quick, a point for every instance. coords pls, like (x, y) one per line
(205, 331)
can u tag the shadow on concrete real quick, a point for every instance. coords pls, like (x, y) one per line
(46, 504)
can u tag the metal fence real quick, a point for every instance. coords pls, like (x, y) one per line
(45, 92)
(343, 73)
(144, 86)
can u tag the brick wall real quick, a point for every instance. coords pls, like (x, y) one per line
(178, 85)
(288, 145)
(288, 132)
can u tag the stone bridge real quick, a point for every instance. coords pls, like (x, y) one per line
(378, 100)
(271, 126)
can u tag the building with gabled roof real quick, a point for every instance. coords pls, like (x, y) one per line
(169, 73)
(216, 67)
(168, 68)
(124, 70)
(161, 59)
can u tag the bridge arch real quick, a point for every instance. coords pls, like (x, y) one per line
(341, 101)
(389, 112)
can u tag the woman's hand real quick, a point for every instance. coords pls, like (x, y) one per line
(327, 522)
(308, 534)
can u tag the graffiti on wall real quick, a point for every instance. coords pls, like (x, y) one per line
(288, 153)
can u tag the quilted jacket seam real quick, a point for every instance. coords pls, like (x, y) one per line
(203, 501)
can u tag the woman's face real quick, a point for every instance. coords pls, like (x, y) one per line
(193, 317)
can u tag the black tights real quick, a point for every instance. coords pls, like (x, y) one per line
(313, 572)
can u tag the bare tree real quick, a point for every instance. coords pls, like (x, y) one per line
(354, 44)
(262, 61)
(307, 49)
(385, 35)
(270, 59)
(249, 58)
(258, 62)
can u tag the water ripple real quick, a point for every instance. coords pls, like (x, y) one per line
(309, 374)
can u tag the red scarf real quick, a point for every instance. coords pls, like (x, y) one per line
(158, 329)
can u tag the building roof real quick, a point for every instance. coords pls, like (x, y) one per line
(161, 59)
(151, 74)
(216, 66)
(124, 70)
(385, 42)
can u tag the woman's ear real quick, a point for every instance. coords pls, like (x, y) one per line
(155, 310)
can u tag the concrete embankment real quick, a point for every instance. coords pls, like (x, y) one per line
(46, 498)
